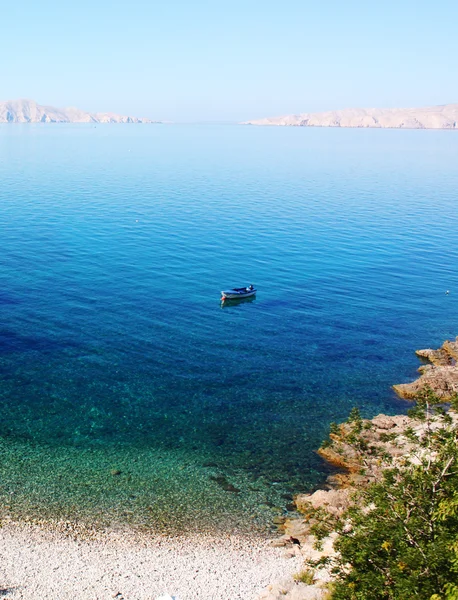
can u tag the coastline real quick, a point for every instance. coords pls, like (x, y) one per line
(383, 435)
(53, 559)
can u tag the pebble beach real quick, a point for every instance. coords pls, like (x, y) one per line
(39, 563)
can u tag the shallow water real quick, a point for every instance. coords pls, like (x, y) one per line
(128, 394)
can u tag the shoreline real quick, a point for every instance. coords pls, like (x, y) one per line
(381, 435)
(163, 492)
(115, 564)
(60, 558)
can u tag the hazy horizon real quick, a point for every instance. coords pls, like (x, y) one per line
(208, 63)
(213, 121)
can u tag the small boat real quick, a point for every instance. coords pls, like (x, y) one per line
(236, 293)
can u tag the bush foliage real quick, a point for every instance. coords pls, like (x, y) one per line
(399, 541)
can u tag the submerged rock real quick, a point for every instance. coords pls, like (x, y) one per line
(224, 484)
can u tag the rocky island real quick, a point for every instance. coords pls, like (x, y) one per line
(431, 117)
(28, 111)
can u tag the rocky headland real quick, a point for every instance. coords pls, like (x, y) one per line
(382, 442)
(383, 435)
(431, 117)
(28, 111)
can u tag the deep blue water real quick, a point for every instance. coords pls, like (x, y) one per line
(115, 244)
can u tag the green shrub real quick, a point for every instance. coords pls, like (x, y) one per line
(400, 539)
(334, 428)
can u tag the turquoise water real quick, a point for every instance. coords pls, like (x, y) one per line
(127, 392)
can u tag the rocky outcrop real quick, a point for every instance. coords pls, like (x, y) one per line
(451, 348)
(381, 436)
(336, 501)
(439, 358)
(443, 380)
(28, 111)
(440, 374)
(382, 441)
(432, 117)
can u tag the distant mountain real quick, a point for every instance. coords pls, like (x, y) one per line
(431, 117)
(28, 111)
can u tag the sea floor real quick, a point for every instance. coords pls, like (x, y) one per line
(160, 491)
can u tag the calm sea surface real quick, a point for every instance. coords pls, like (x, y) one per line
(127, 393)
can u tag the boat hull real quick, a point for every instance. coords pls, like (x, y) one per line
(235, 295)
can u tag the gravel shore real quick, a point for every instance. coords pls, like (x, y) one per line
(59, 565)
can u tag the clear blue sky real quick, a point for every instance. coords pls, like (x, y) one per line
(229, 61)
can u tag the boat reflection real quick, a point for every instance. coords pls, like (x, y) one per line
(231, 302)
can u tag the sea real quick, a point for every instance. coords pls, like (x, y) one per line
(130, 396)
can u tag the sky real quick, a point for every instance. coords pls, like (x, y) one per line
(229, 61)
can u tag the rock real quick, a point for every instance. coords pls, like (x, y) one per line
(425, 368)
(341, 456)
(440, 357)
(337, 481)
(335, 501)
(309, 552)
(442, 380)
(224, 484)
(382, 435)
(451, 348)
(302, 591)
(441, 375)
(278, 520)
(282, 542)
(296, 529)
(383, 422)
